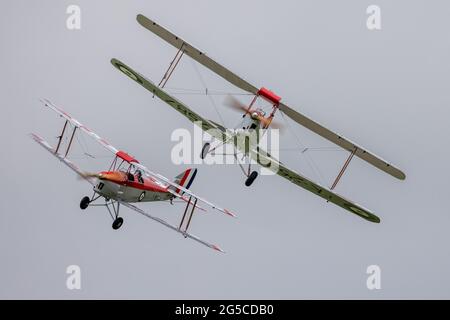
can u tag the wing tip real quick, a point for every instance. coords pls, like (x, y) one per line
(369, 216)
(375, 219)
(114, 62)
(141, 19)
(34, 136)
(217, 248)
(228, 212)
(394, 171)
(363, 213)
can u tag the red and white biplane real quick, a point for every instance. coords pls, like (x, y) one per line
(127, 181)
(254, 118)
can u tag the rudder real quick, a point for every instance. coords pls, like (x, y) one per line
(185, 179)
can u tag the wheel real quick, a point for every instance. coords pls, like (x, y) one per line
(84, 203)
(117, 223)
(251, 178)
(205, 150)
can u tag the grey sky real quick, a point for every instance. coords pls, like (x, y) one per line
(387, 90)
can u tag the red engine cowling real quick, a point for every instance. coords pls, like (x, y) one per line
(269, 96)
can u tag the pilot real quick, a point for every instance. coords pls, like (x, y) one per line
(139, 176)
(130, 177)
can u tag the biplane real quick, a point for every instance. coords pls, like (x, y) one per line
(255, 119)
(127, 181)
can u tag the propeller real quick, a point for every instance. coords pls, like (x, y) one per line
(273, 124)
(237, 105)
(87, 175)
(114, 176)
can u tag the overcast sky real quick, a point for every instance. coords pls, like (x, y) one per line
(387, 90)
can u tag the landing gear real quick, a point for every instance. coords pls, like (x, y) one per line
(84, 203)
(251, 175)
(117, 223)
(205, 150)
(109, 204)
(251, 178)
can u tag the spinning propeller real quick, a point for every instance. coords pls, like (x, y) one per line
(238, 106)
(110, 176)
(90, 175)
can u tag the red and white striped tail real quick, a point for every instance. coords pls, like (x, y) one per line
(185, 179)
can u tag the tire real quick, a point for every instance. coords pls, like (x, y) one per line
(84, 203)
(117, 223)
(205, 150)
(251, 178)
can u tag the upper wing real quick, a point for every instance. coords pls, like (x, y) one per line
(80, 126)
(66, 161)
(206, 125)
(186, 234)
(264, 159)
(195, 54)
(244, 85)
(342, 142)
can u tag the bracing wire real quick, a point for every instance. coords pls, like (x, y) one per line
(187, 91)
(83, 145)
(206, 89)
(314, 149)
(309, 161)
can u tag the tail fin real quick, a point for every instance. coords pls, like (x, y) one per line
(185, 179)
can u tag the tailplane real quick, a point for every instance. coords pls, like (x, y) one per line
(184, 179)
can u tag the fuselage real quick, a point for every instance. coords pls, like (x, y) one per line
(251, 121)
(130, 187)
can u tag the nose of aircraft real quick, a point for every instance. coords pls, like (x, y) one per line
(112, 176)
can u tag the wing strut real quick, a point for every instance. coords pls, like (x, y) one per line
(70, 143)
(61, 136)
(189, 217)
(172, 67)
(341, 173)
(184, 214)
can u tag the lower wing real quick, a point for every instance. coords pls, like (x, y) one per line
(64, 160)
(264, 159)
(165, 223)
(206, 125)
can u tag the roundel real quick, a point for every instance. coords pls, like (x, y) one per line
(128, 72)
(359, 211)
